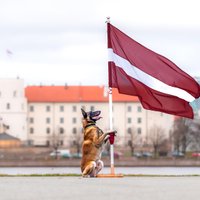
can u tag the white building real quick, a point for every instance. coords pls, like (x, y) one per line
(13, 107)
(55, 111)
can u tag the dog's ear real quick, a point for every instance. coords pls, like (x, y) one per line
(84, 113)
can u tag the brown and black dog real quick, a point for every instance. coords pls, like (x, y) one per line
(93, 141)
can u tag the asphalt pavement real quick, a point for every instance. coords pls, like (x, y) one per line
(78, 188)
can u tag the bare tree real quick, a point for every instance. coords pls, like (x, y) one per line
(133, 140)
(77, 142)
(194, 131)
(156, 137)
(176, 139)
(182, 134)
(55, 141)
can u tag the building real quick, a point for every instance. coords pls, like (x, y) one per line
(54, 114)
(13, 107)
(8, 141)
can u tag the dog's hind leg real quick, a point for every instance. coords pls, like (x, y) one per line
(89, 170)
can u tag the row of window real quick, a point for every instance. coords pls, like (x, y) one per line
(48, 120)
(74, 108)
(74, 130)
(129, 120)
(129, 109)
(15, 94)
(74, 120)
(48, 130)
(61, 108)
(131, 131)
(60, 143)
(8, 106)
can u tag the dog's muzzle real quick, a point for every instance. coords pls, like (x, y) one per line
(94, 116)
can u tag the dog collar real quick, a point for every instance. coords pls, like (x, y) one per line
(91, 124)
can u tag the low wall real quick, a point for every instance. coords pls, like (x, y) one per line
(125, 162)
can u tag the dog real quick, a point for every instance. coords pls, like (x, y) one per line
(94, 140)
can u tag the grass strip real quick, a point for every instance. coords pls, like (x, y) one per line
(79, 175)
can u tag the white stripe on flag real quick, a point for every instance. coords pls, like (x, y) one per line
(147, 79)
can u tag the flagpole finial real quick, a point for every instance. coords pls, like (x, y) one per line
(108, 20)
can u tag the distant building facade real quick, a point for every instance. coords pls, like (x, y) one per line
(13, 108)
(54, 114)
(42, 115)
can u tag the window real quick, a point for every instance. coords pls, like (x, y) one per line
(139, 120)
(48, 130)
(74, 130)
(48, 120)
(31, 120)
(139, 109)
(129, 108)
(61, 143)
(61, 130)
(74, 120)
(48, 108)
(129, 130)
(74, 109)
(129, 120)
(62, 108)
(61, 120)
(47, 143)
(139, 130)
(8, 106)
(31, 108)
(31, 130)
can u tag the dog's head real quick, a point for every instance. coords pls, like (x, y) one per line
(90, 117)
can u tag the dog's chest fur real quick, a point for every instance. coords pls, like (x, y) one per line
(91, 151)
(92, 133)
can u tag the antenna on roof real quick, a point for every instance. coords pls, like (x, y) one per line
(66, 86)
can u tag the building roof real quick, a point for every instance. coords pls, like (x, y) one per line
(74, 94)
(6, 136)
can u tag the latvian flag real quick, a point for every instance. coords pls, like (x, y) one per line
(159, 84)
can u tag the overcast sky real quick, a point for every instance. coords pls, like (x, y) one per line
(64, 41)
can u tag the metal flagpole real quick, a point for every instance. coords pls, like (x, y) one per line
(112, 135)
(111, 125)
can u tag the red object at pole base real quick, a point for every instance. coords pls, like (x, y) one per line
(112, 137)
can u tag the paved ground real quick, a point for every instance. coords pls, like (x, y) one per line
(76, 188)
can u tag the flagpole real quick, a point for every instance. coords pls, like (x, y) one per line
(112, 169)
(111, 139)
